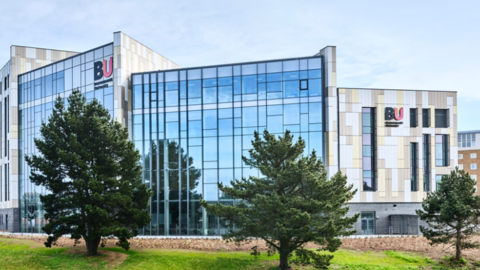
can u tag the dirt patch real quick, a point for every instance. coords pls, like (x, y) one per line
(111, 258)
(409, 244)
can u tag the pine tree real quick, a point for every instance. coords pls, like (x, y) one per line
(293, 203)
(452, 212)
(91, 173)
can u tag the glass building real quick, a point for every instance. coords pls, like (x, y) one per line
(38, 91)
(193, 125)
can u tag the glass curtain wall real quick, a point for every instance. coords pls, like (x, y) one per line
(38, 90)
(192, 127)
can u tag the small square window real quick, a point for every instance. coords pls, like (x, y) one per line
(460, 156)
(473, 155)
(473, 166)
(474, 177)
(460, 166)
(303, 84)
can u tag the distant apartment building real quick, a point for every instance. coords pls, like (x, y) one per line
(469, 153)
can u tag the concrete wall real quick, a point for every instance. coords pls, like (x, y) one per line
(13, 217)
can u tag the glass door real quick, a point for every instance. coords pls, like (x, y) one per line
(368, 222)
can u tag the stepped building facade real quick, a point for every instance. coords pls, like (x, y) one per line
(192, 126)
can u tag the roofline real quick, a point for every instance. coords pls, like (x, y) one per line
(231, 64)
(146, 46)
(53, 63)
(416, 90)
(41, 48)
(468, 131)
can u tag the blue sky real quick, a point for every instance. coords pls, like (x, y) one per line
(431, 45)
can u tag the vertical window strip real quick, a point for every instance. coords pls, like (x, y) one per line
(426, 162)
(368, 149)
(413, 167)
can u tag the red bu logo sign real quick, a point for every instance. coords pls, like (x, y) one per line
(391, 113)
(100, 69)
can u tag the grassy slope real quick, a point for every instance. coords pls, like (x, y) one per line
(26, 254)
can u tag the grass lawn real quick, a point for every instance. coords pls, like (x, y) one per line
(27, 254)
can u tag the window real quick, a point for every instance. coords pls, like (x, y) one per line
(368, 222)
(413, 167)
(413, 118)
(438, 180)
(426, 162)
(474, 177)
(303, 84)
(441, 150)
(460, 156)
(473, 166)
(460, 166)
(426, 117)
(368, 149)
(441, 118)
(473, 155)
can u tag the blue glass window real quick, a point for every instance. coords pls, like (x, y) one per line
(291, 114)
(314, 74)
(291, 89)
(210, 119)
(225, 127)
(172, 130)
(195, 128)
(274, 110)
(209, 82)
(210, 95)
(171, 98)
(249, 116)
(249, 84)
(195, 89)
(274, 124)
(225, 113)
(225, 94)
(262, 91)
(137, 97)
(275, 77)
(225, 152)
(315, 87)
(210, 149)
(288, 76)
(274, 87)
(225, 81)
(315, 112)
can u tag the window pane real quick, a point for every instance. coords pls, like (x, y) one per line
(291, 114)
(291, 89)
(249, 116)
(210, 119)
(210, 95)
(249, 84)
(171, 98)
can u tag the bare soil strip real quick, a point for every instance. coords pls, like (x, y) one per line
(409, 244)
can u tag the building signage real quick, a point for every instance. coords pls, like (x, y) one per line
(393, 114)
(102, 70)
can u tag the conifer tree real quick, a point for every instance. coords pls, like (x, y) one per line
(91, 173)
(452, 212)
(291, 204)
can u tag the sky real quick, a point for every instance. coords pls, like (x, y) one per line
(424, 45)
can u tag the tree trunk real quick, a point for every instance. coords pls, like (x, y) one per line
(283, 261)
(458, 245)
(92, 246)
